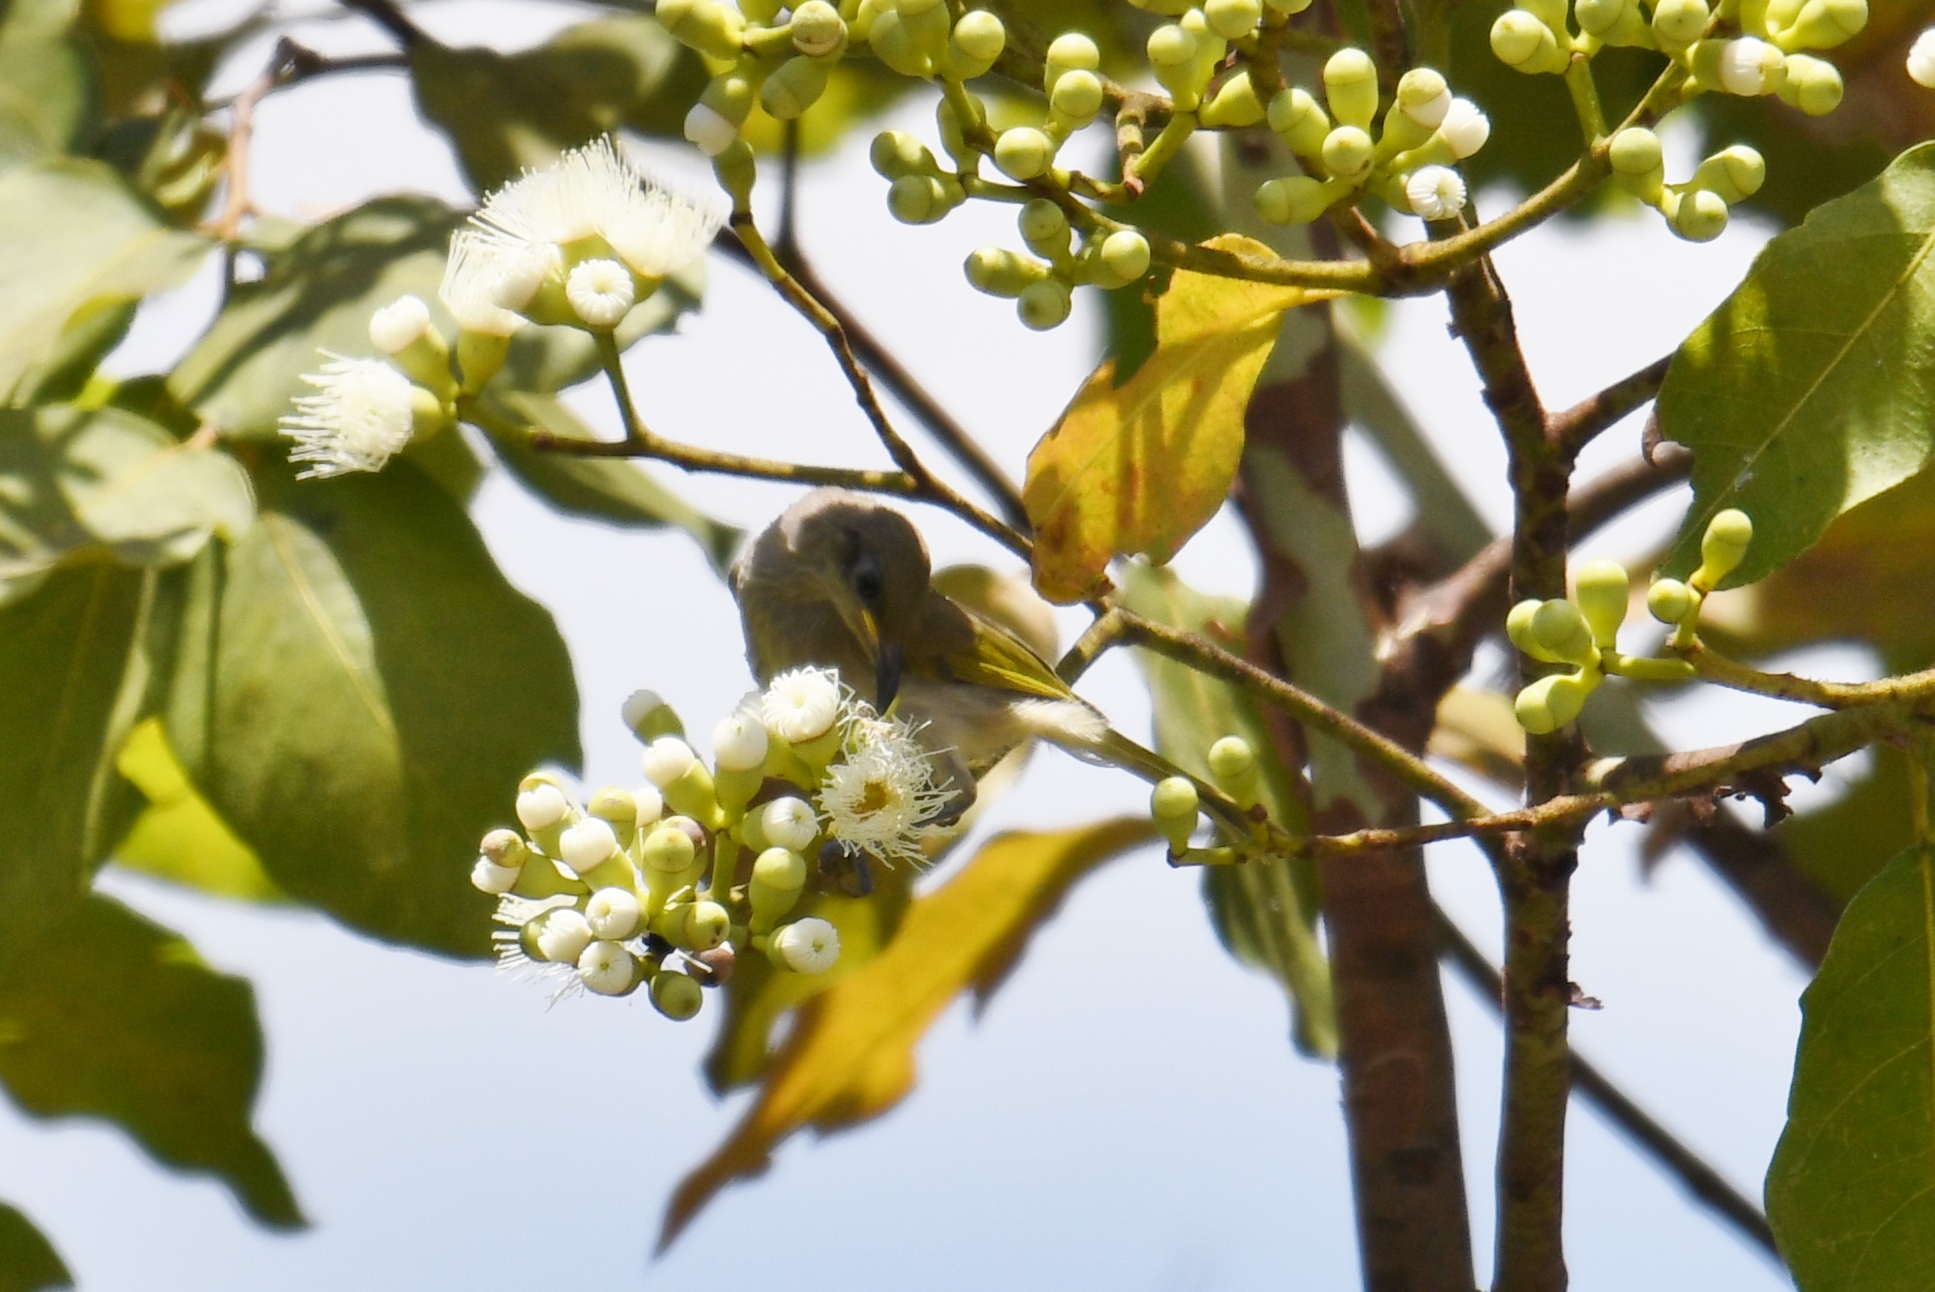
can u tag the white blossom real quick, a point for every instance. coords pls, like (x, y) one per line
(396, 326)
(881, 791)
(481, 274)
(810, 945)
(1465, 128)
(801, 705)
(563, 936)
(1435, 192)
(362, 414)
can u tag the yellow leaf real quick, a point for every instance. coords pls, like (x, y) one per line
(178, 836)
(1140, 467)
(850, 1055)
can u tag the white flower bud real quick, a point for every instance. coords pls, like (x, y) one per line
(542, 806)
(667, 759)
(608, 969)
(1435, 192)
(739, 743)
(601, 292)
(708, 131)
(588, 843)
(1423, 96)
(1921, 60)
(651, 805)
(648, 716)
(489, 877)
(817, 29)
(801, 705)
(1464, 128)
(789, 823)
(810, 945)
(395, 326)
(613, 913)
(563, 936)
(1749, 67)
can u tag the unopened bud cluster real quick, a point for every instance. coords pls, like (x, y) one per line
(1175, 804)
(1422, 136)
(1722, 548)
(1582, 633)
(1762, 52)
(665, 885)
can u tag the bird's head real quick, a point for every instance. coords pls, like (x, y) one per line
(873, 568)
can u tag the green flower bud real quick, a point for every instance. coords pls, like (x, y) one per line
(1024, 153)
(1722, 548)
(918, 199)
(1678, 23)
(896, 45)
(1671, 601)
(895, 153)
(1559, 628)
(779, 875)
(737, 170)
(703, 25)
(981, 36)
(668, 850)
(1173, 804)
(504, 848)
(650, 717)
(1597, 17)
(1644, 669)
(543, 877)
(1602, 589)
(1290, 7)
(1077, 95)
(1348, 152)
(1552, 702)
(760, 12)
(1068, 52)
(1423, 95)
(1000, 272)
(1518, 630)
(618, 809)
(1823, 24)
(1635, 151)
(1698, 215)
(1811, 84)
(1233, 763)
(1297, 119)
(1171, 47)
(1522, 42)
(676, 995)
(1043, 304)
(1295, 199)
(1350, 87)
(794, 87)
(1232, 19)
(1734, 173)
(817, 29)
(1125, 254)
(707, 925)
(1235, 104)
(1044, 228)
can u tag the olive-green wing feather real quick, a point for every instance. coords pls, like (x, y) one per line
(980, 652)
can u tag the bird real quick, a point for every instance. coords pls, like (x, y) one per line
(840, 580)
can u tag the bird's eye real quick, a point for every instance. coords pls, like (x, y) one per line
(867, 581)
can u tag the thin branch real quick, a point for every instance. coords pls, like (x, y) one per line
(1715, 667)
(306, 64)
(236, 206)
(1698, 1178)
(390, 17)
(1574, 428)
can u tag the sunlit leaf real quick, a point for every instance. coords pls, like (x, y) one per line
(1813, 387)
(1265, 910)
(28, 1262)
(1849, 1192)
(178, 837)
(46, 85)
(1138, 468)
(107, 1015)
(850, 1054)
(72, 232)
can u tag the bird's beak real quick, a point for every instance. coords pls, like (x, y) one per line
(887, 660)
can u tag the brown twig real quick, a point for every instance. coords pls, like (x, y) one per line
(391, 18)
(1574, 428)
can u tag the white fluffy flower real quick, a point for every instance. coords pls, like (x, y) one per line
(739, 743)
(1435, 192)
(480, 274)
(600, 292)
(1465, 128)
(396, 326)
(789, 823)
(881, 791)
(1749, 67)
(801, 705)
(810, 945)
(362, 414)
(1921, 60)
(607, 968)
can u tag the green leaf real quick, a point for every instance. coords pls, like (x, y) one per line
(318, 292)
(1851, 1192)
(178, 837)
(608, 489)
(1811, 388)
(75, 482)
(46, 85)
(72, 232)
(1138, 468)
(357, 695)
(64, 650)
(1265, 911)
(107, 1015)
(506, 112)
(28, 1262)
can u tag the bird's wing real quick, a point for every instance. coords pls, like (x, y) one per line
(989, 655)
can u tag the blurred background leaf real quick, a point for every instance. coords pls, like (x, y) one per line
(46, 83)
(28, 1262)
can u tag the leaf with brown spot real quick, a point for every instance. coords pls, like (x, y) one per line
(850, 1055)
(1138, 468)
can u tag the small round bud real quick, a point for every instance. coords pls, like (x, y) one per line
(1521, 41)
(718, 962)
(1603, 590)
(587, 844)
(800, 705)
(504, 848)
(1551, 702)
(563, 936)
(1044, 304)
(708, 131)
(1562, 631)
(1814, 85)
(542, 806)
(1722, 548)
(601, 292)
(1464, 128)
(1435, 192)
(794, 87)
(1000, 272)
(676, 995)
(618, 807)
(1348, 152)
(690, 828)
(917, 199)
(1734, 173)
(613, 913)
(669, 850)
(817, 29)
(895, 153)
(1749, 67)
(981, 36)
(396, 326)
(608, 969)
(704, 25)
(707, 925)
(739, 743)
(489, 877)
(1023, 152)
(1699, 216)
(781, 869)
(810, 945)
(1824, 24)
(1670, 601)
(1635, 151)
(1599, 17)
(1294, 199)
(1125, 253)
(1175, 799)
(1231, 757)
(1171, 47)
(1423, 96)
(667, 759)
(1680, 22)
(789, 823)
(1350, 87)
(650, 717)
(1518, 629)
(1071, 51)
(1077, 94)
(1042, 221)
(1232, 19)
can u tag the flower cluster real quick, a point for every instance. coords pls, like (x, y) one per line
(578, 243)
(1583, 632)
(1424, 133)
(1176, 803)
(664, 886)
